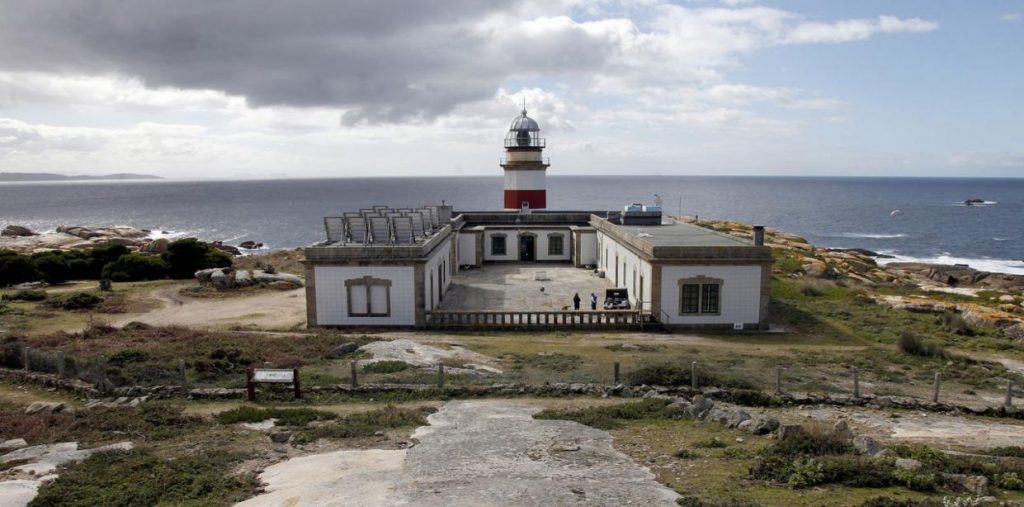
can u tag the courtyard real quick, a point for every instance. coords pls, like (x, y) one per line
(516, 286)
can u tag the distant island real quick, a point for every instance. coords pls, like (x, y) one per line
(64, 177)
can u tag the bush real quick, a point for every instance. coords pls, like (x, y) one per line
(75, 301)
(284, 416)
(917, 481)
(134, 267)
(610, 416)
(957, 324)
(140, 478)
(910, 343)
(385, 367)
(811, 289)
(810, 443)
(52, 266)
(27, 295)
(365, 424)
(676, 374)
(1010, 451)
(186, 256)
(16, 268)
(806, 472)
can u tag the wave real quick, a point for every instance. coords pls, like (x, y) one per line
(1013, 267)
(859, 235)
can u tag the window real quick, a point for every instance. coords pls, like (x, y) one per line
(556, 245)
(368, 297)
(700, 296)
(498, 244)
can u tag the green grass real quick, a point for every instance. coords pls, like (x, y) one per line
(609, 416)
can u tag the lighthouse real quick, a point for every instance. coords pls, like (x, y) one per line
(524, 165)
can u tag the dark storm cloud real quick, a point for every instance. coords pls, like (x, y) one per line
(382, 60)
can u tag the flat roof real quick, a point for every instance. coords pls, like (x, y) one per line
(680, 235)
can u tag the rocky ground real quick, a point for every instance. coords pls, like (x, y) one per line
(472, 453)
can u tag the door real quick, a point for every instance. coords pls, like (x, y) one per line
(527, 248)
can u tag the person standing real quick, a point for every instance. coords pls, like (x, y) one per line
(576, 302)
(593, 301)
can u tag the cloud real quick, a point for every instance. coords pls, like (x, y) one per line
(856, 29)
(388, 60)
(1011, 16)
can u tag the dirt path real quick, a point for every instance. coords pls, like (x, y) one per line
(472, 453)
(271, 310)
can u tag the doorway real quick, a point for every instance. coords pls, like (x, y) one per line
(527, 248)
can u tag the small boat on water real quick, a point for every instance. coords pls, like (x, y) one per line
(973, 201)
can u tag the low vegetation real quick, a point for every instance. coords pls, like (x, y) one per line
(609, 416)
(365, 424)
(148, 422)
(140, 477)
(281, 416)
(385, 367)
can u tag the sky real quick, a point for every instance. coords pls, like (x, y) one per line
(238, 89)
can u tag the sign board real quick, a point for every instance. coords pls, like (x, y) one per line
(284, 376)
(737, 326)
(271, 376)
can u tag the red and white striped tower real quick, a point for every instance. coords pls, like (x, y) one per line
(524, 165)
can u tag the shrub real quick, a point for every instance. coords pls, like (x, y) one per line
(75, 301)
(27, 295)
(284, 416)
(140, 478)
(675, 374)
(106, 285)
(1010, 451)
(810, 443)
(957, 324)
(917, 481)
(711, 443)
(186, 256)
(805, 472)
(610, 416)
(53, 267)
(685, 454)
(133, 267)
(365, 424)
(16, 268)
(910, 343)
(1008, 480)
(385, 367)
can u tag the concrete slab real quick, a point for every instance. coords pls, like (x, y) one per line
(515, 287)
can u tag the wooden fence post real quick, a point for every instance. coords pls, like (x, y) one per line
(355, 376)
(181, 372)
(1009, 394)
(60, 365)
(778, 380)
(295, 383)
(935, 393)
(26, 359)
(616, 370)
(250, 386)
(440, 375)
(693, 374)
(856, 381)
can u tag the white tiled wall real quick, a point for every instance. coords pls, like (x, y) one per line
(332, 306)
(741, 293)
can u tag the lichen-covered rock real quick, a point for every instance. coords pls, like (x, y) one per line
(44, 406)
(867, 445)
(15, 231)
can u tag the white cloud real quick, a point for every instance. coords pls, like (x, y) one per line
(856, 29)
(1011, 16)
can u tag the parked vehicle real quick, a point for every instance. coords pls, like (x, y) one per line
(616, 299)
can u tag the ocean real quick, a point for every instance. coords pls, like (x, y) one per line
(931, 224)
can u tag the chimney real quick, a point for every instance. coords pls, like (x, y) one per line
(758, 235)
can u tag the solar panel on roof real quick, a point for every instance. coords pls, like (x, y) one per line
(417, 223)
(357, 229)
(380, 230)
(403, 230)
(335, 229)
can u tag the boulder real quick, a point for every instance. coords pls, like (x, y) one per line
(157, 246)
(250, 245)
(268, 278)
(12, 445)
(219, 245)
(283, 285)
(763, 425)
(908, 464)
(842, 431)
(203, 275)
(737, 417)
(31, 285)
(717, 415)
(44, 406)
(867, 445)
(222, 280)
(1006, 298)
(243, 278)
(342, 350)
(789, 430)
(280, 437)
(700, 406)
(973, 484)
(16, 231)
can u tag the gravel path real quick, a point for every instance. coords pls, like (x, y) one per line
(473, 453)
